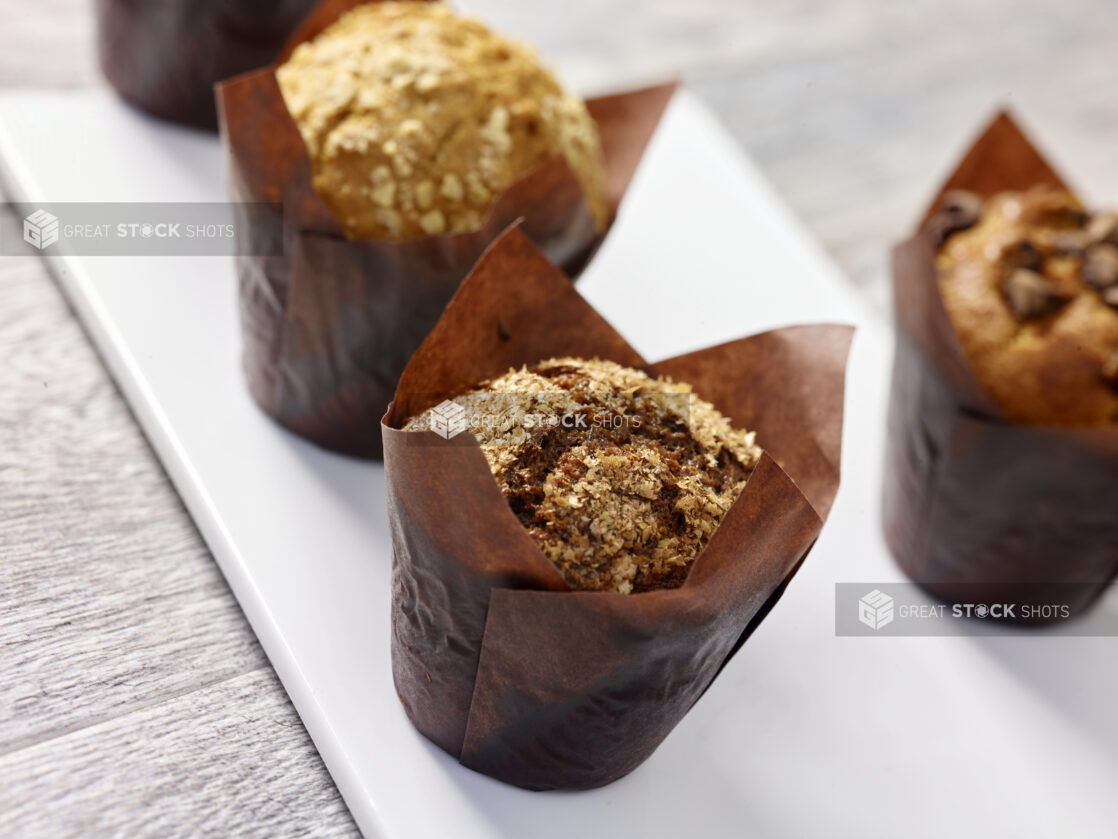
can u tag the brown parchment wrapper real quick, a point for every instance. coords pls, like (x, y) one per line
(329, 326)
(166, 55)
(977, 507)
(494, 658)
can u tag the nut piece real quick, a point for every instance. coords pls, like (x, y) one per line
(958, 210)
(1030, 295)
(451, 189)
(1104, 228)
(1100, 266)
(432, 222)
(1071, 242)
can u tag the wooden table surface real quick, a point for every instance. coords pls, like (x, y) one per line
(134, 698)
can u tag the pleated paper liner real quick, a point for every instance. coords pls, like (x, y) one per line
(165, 56)
(978, 508)
(329, 327)
(494, 658)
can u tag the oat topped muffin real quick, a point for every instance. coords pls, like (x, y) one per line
(416, 120)
(620, 478)
(1030, 282)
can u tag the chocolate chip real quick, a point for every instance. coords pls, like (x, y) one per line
(957, 211)
(1075, 217)
(1104, 228)
(1065, 217)
(1110, 369)
(1100, 266)
(1022, 255)
(1110, 297)
(1030, 295)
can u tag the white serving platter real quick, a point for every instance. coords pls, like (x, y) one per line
(805, 734)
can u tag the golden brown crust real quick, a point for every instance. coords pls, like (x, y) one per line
(1037, 332)
(620, 478)
(416, 120)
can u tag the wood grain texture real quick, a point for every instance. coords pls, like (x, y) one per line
(134, 700)
(859, 139)
(230, 759)
(97, 607)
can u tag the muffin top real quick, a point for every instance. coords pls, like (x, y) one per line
(620, 478)
(416, 120)
(1030, 282)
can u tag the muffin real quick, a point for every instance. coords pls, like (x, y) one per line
(1029, 280)
(1002, 451)
(370, 168)
(415, 120)
(620, 478)
(571, 575)
(164, 56)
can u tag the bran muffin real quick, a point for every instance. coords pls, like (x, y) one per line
(1030, 282)
(620, 478)
(416, 120)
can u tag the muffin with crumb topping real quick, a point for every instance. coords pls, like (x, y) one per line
(620, 478)
(415, 120)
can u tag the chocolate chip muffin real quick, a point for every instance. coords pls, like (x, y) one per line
(1030, 283)
(619, 477)
(416, 120)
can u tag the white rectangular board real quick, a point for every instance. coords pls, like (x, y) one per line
(803, 735)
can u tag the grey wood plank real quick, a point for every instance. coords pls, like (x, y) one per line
(231, 759)
(108, 598)
(856, 135)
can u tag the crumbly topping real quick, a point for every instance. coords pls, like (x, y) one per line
(1030, 281)
(620, 478)
(416, 120)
